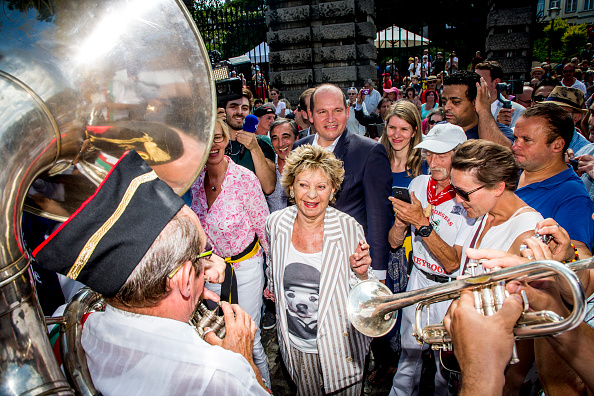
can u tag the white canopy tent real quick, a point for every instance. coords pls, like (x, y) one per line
(395, 37)
(259, 54)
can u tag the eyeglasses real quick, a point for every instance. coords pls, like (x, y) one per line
(206, 254)
(463, 194)
(218, 139)
(539, 98)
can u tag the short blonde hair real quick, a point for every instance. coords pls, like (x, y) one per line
(310, 158)
(224, 127)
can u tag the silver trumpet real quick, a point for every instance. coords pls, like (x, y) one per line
(203, 318)
(372, 307)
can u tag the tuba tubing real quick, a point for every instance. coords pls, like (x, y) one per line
(372, 313)
(57, 61)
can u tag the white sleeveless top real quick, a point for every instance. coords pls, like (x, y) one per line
(502, 236)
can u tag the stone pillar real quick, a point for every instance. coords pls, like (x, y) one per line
(315, 42)
(509, 37)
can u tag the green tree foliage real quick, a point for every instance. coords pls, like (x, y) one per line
(574, 39)
(559, 40)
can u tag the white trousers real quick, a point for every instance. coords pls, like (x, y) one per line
(250, 284)
(408, 375)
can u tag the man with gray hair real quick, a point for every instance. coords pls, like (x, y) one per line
(440, 226)
(137, 243)
(353, 124)
(372, 98)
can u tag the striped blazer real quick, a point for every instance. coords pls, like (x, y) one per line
(341, 348)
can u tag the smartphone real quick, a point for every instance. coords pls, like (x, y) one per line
(574, 164)
(401, 193)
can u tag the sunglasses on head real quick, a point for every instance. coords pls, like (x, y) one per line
(463, 194)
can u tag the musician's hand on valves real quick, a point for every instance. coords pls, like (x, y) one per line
(409, 213)
(482, 344)
(361, 260)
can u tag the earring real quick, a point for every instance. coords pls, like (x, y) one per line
(292, 194)
(331, 196)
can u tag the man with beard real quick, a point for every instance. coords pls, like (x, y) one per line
(440, 227)
(248, 149)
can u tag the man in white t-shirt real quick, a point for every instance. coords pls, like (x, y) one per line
(569, 80)
(439, 226)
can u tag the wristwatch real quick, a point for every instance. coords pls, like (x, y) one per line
(424, 231)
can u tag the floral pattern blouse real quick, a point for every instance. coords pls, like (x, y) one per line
(239, 212)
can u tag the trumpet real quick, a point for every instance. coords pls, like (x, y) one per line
(203, 318)
(371, 306)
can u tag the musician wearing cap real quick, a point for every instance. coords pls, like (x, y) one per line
(135, 242)
(439, 225)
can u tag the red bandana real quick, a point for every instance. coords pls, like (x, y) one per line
(444, 196)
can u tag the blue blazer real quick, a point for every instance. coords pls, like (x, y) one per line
(365, 190)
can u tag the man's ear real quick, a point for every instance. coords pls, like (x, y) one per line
(558, 145)
(183, 278)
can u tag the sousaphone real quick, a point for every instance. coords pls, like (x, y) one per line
(81, 82)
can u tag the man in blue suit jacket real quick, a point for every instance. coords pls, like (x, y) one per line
(368, 177)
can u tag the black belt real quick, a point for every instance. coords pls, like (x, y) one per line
(436, 278)
(229, 285)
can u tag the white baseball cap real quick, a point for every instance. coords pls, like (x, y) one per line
(442, 138)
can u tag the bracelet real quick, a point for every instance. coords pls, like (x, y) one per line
(575, 258)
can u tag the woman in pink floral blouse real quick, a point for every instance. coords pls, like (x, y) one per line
(232, 208)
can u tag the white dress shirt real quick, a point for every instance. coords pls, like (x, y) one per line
(130, 354)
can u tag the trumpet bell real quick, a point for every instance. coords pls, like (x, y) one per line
(362, 309)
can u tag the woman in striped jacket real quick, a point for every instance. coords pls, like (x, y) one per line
(311, 269)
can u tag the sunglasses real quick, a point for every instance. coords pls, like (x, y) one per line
(432, 122)
(206, 254)
(463, 194)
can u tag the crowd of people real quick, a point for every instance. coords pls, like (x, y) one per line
(282, 223)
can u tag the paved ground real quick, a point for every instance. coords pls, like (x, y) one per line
(281, 383)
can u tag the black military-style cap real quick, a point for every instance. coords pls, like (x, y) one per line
(104, 240)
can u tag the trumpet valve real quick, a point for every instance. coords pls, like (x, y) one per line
(488, 301)
(436, 336)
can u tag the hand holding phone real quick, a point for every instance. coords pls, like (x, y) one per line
(401, 193)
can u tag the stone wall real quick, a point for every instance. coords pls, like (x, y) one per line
(509, 38)
(315, 42)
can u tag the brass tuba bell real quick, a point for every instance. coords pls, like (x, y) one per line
(82, 82)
